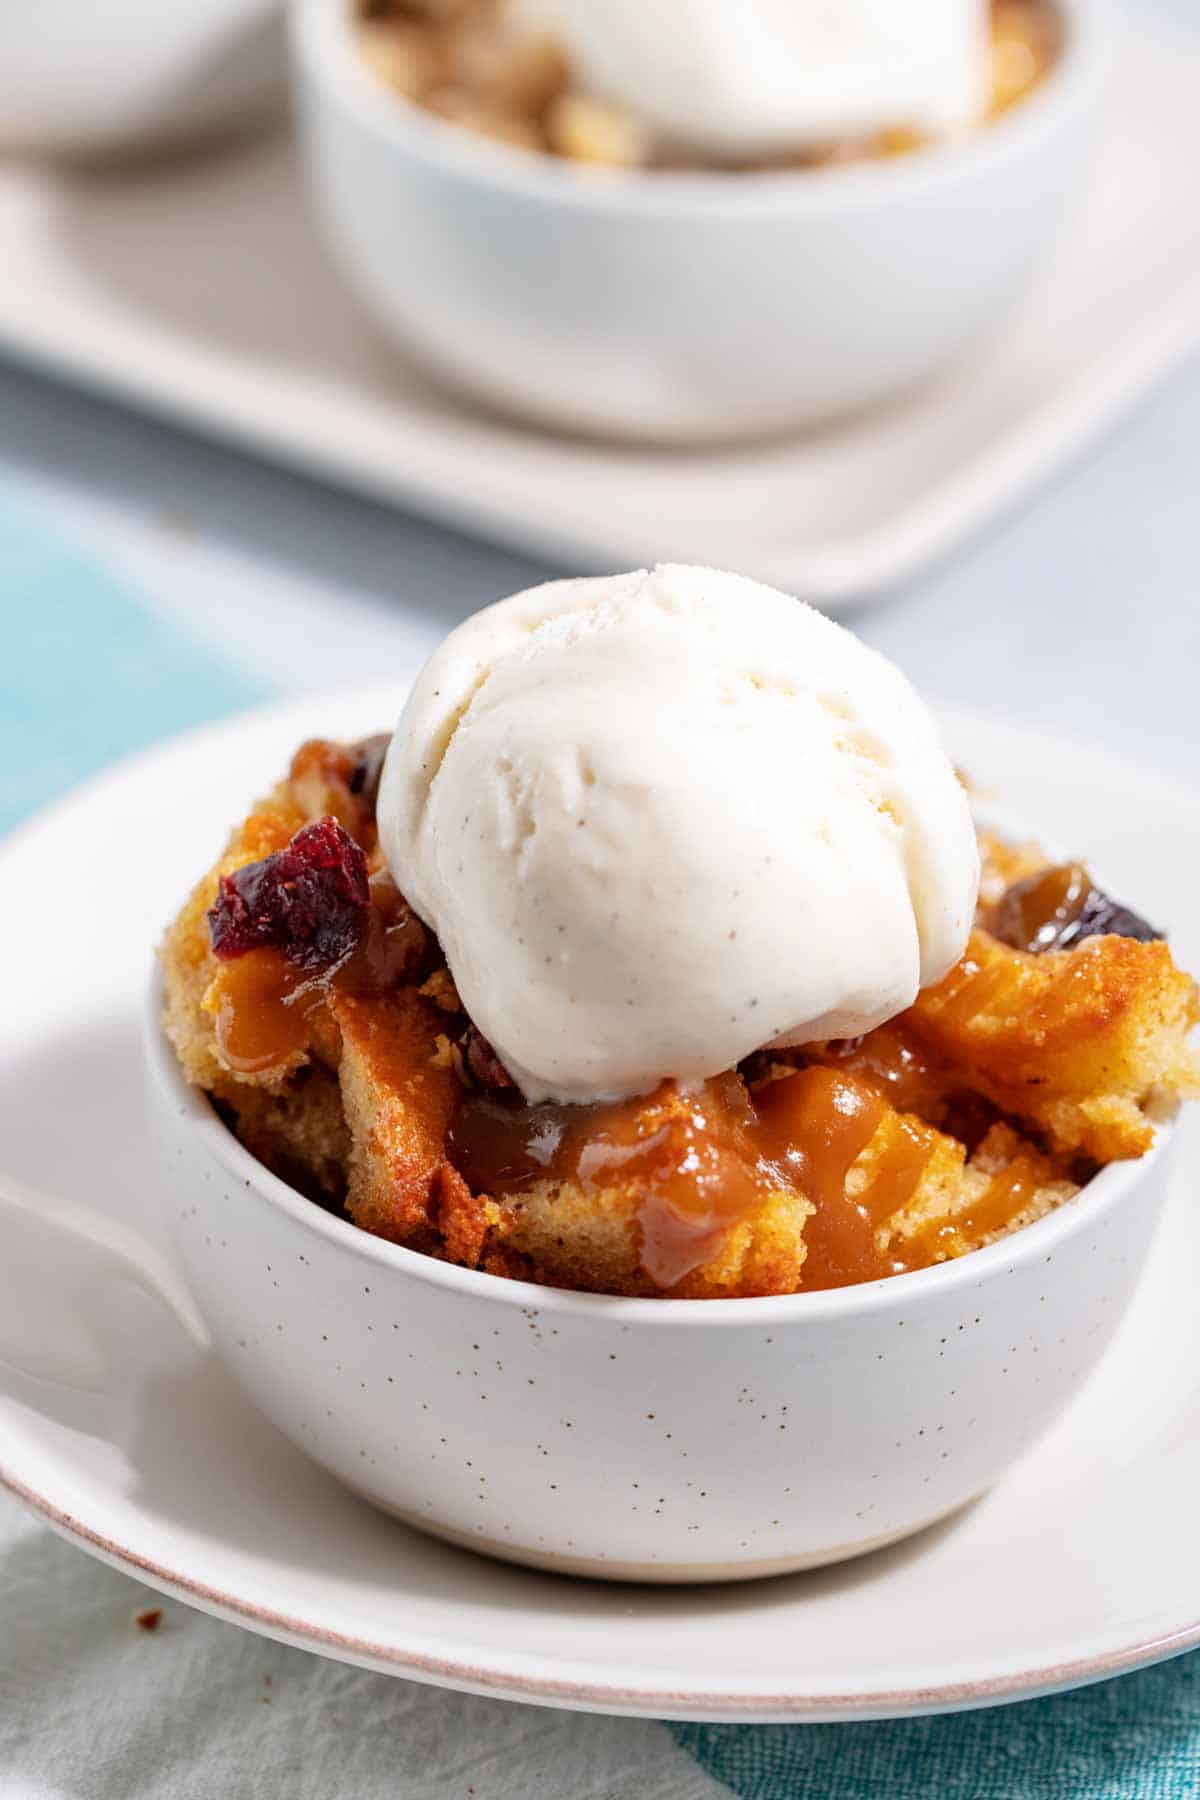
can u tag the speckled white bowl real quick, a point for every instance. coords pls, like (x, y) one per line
(689, 306)
(656, 1440)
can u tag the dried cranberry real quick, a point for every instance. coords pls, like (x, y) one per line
(363, 779)
(482, 1060)
(310, 900)
(1058, 907)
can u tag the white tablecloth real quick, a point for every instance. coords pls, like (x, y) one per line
(92, 1707)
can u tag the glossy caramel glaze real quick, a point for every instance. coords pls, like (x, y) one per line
(700, 1161)
(691, 1155)
(814, 1125)
(265, 1007)
(1032, 914)
(909, 1075)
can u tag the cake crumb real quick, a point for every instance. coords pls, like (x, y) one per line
(150, 1620)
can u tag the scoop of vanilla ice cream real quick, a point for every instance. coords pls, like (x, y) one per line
(660, 820)
(774, 75)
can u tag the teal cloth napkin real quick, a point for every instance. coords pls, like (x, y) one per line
(89, 673)
(1135, 1738)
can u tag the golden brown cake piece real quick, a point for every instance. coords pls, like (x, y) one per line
(254, 1033)
(190, 968)
(1006, 1184)
(398, 1102)
(891, 1191)
(812, 1180)
(1078, 1043)
(300, 1133)
(592, 1239)
(663, 1194)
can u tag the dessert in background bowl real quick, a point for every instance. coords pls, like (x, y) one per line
(700, 84)
(653, 958)
(738, 290)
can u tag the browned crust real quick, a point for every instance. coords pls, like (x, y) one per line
(189, 967)
(398, 1099)
(1073, 1042)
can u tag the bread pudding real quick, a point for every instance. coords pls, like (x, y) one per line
(316, 1009)
(508, 72)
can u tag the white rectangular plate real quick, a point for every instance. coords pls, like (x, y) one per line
(197, 288)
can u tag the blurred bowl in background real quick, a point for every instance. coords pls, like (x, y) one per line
(684, 307)
(117, 75)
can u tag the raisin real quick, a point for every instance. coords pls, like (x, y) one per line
(1059, 907)
(1102, 917)
(310, 901)
(363, 780)
(482, 1060)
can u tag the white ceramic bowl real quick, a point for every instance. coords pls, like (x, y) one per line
(119, 74)
(682, 306)
(658, 1440)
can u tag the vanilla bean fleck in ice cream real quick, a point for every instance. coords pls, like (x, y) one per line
(660, 820)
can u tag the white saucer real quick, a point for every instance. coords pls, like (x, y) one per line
(1079, 1565)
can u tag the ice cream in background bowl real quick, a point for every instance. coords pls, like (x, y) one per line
(660, 820)
(769, 84)
(770, 77)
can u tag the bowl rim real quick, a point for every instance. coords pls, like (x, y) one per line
(322, 46)
(193, 1112)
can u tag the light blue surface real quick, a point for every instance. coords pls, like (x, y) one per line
(89, 673)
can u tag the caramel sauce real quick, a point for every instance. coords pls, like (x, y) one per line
(1005, 1198)
(265, 1006)
(974, 990)
(911, 1077)
(816, 1124)
(702, 1159)
(1031, 915)
(393, 948)
(691, 1154)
